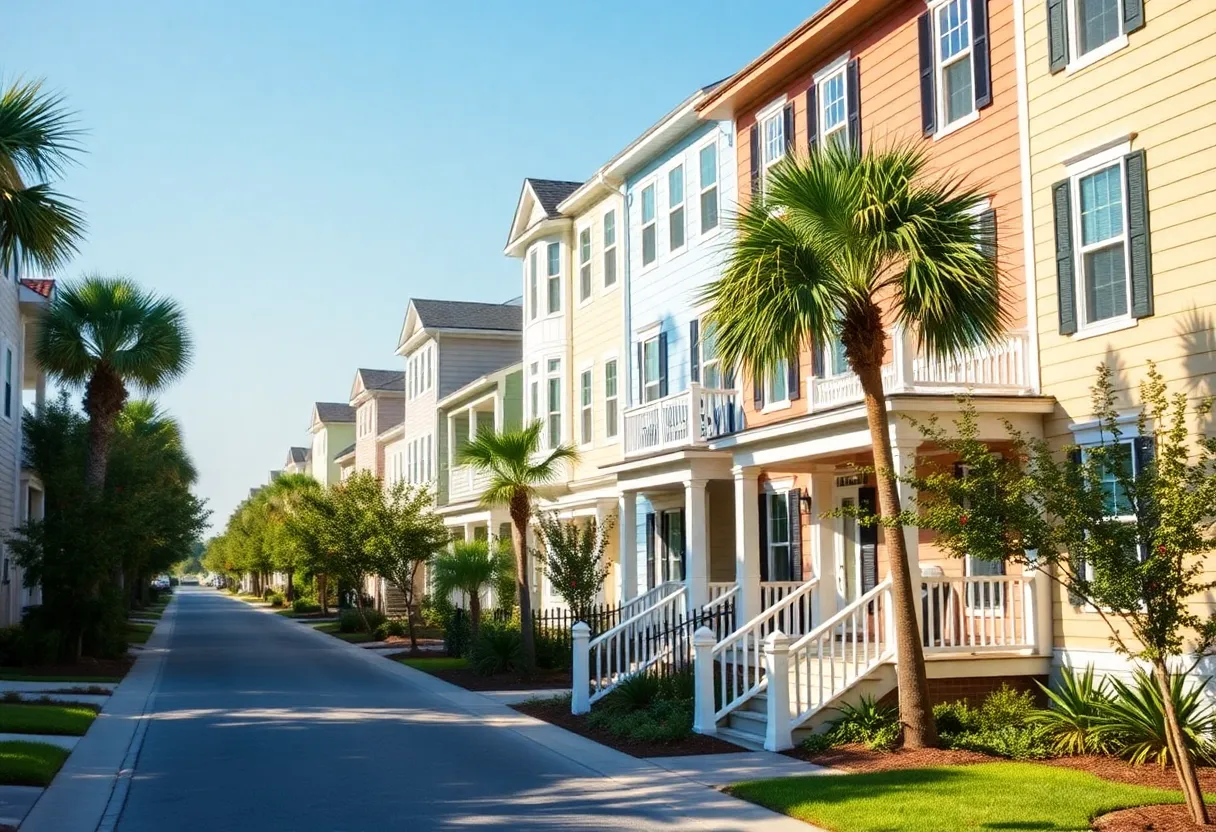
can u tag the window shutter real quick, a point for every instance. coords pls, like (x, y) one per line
(981, 60)
(928, 106)
(1057, 35)
(795, 377)
(1139, 250)
(758, 389)
(817, 352)
(1065, 263)
(987, 233)
(867, 502)
(762, 525)
(1145, 450)
(662, 364)
(812, 119)
(789, 128)
(1133, 15)
(641, 372)
(794, 502)
(664, 529)
(694, 350)
(650, 531)
(755, 154)
(852, 86)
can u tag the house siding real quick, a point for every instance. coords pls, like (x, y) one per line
(11, 336)
(465, 358)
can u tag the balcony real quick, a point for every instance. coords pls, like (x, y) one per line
(687, 419)
(466, 483)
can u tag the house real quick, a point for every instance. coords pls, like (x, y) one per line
(378, 399)
(297, 461)
(333, 436)
(1121, 130)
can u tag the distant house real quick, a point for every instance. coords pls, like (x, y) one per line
(333, 431)
(378, 399)
(297, 461)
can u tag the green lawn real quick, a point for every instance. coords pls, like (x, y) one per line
(139, 633)
(331, 627)
(68, 720)
(976, 797)
(150, 613)
(30, 763)
(437, 663)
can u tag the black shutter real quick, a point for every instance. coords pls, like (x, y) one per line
(1139, 250)
(641, 372)
(1133, 15)
(757, 389)
(755, 142)
(694, 350)
(1066, 289)
(794, 377)
(762, 525)
(812, 119)
(981, 60)
(650, 550)
(928, 106)
(664, 530)
(817, 353)
(683, 544)
(867, 503)
(987, 233)
(789, 129)
(662, 364)
(1057, 35)
(1145, 449)
(794, 501)
(852, 88)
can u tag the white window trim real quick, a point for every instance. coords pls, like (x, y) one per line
(561, 301)
(658, 381)
(781, 490)
(590, 264)
(589, 441)
(1077, 61)
(547, 377)
(773, 109)
(1113, 155)
(839, 66)
(532, 287)
(776, 404)
(650, 182)
(939, 100)
(683, 205)
(620, 414)
(712, 141)
(616, 250)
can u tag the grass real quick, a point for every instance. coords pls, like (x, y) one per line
(437, 663)
(66, 720)
(30, 763)
(149, 613)
(985, 796)
(331, 627)
(139, 633)
(19, 674)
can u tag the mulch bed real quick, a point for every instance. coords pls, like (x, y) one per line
(1169, 818)
(116, 668)
(469, 679)
(858, 759)
(559, 714)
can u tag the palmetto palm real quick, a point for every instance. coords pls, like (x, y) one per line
(843, 244)
(38, 227)
(471, 567)
(106, 333)
(517, 467)
(283, 498)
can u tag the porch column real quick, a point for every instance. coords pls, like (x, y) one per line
(627, 544)
(696, 553)
(823, 542)
(747, 541)
(40, 393)
(903, 457)
(603, 510)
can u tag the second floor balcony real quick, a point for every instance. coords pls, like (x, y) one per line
(465, 483)
(686, 419)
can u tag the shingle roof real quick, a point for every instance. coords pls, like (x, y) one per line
(43, 287)
(297, 455)
(460, 314)
(345, 452)
(551, 192)
(335, 412)
(383, 379)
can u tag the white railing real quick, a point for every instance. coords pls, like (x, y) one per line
(691, 417)
(629, 648)
(719, 590)
(741, 654)
(721, 594)
(839, 653)
(975, 614)
(466, 483)
(834, 391)
(774, 592)
(648, 599)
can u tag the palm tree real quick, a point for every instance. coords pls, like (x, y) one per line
(38, 227)
(471, 567)
(106, 333)
(283, 498)
(840, 245)
(517, 467)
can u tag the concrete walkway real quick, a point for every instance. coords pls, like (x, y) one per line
(15, 802)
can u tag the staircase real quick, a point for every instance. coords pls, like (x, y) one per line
(394, 602)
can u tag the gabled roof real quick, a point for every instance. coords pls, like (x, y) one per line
(538, 201)
(460, 314)
(344, 453)
(551, 192)
(297, 456)
(326, 412)
(373, 381)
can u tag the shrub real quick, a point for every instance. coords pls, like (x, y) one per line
(1006, 708)
(553, 652)
(276, 599)
(395, 627)
(350, 621)
(634, 694)
(1076, 707)
(497, 649)
(869, 722)
(305, 605)
(1132, 721)
(663, 721)
(955, 718)
(436, 610)
(456, 635)
(1029, 742)
(1003, 725)
(678, 685)
(817, 743)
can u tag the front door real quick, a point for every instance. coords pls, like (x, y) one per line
(672, 533)
(848, 548)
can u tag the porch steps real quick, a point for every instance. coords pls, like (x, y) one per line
(394, 602)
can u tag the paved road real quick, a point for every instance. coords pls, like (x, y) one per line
(258, 725)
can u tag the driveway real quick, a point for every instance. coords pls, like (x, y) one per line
(258, 724)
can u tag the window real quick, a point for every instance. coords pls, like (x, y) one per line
(675, 208)
(778, 525)
(534, 394)
(955, 88)
(650, 370)
(709, 187)
(648, 226)
(585, 406)
(711, 365)
(672, 531)
(555, 402)
(777, 389)
(1102, 254)
(584, 264)
(833, 111)
(555, 279)
(610, 398)
(1095, 23)
(772, 141)
(532, 303)
(610, 249)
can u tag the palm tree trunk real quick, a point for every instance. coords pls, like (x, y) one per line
(1183, 764)
(915, 712)
(474, 612)
(520, 512)
(291, 585)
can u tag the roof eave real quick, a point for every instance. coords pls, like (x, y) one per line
(516, 247)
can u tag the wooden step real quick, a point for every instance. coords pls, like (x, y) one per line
(743, 739)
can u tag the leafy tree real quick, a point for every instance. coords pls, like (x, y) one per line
(1124, 526)
(573, 559)
(282, 499)
(39, 228)
(838, 246)
(470, 568)
(517, 466)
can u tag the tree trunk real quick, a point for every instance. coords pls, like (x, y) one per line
(915, 711)
(520, 512)
(408, 595)
(103, 401)
(322, 593)
(291, 585)
(474, 613)
(1183, 764)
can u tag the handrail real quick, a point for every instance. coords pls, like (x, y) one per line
(976, 612)
(634, 645)
(649, 598)
(722, 599)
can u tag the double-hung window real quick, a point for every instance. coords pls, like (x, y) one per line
(651, 382)
(952, 28)
(1102, 250)
(533, 304)
(833, 108)
(554, 389)
(584, 399)
(708, 158)
(609, 249)
(584, 264)
(534, 391)
(555, 277)
(778, 530)
(711, 365)
(675, 208)
(610, 398)
(649, 226)
(772, 141)
(1095, 23)
(777, 387)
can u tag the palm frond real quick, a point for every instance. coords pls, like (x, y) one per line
(512, 459)
(39, 228)
(37, 133)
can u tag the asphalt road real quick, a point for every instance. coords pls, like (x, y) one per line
(258, 725)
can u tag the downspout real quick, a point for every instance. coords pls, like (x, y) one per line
(1028, 251)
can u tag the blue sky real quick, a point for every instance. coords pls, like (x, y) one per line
(292, 171)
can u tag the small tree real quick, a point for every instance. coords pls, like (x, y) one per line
(573, 559)
(471, 568)
(1122, 525)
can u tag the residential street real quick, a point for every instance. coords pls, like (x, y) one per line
(258, 724)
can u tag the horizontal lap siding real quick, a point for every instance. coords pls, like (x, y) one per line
(465, 358)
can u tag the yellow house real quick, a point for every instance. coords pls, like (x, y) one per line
(1121, 114)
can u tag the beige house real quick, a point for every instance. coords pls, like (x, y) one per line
(333, 436)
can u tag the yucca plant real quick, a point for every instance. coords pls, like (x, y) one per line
(1077, 706)
(1132, 720)
(869, 721)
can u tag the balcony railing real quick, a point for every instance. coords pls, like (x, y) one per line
(466, 483)
(686, 419)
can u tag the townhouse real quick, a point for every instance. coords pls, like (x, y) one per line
(332, 428)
